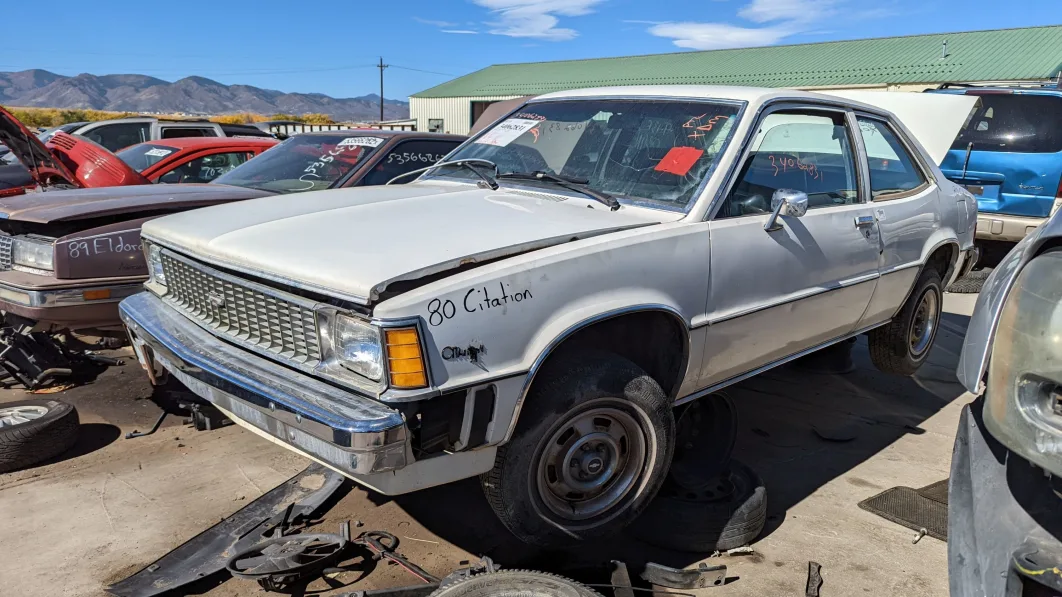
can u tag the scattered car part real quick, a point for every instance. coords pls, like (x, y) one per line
(917, 509)
(158, 423)
(811, 589)
(701, 577)
(290, 504)
(280, 561)
(730, 513)
(620, 578)
(515, 583)
(704, 441)
(35, 358)
(971, 283)
(383, 545)
(32, 431)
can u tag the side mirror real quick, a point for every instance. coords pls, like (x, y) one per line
(786, 202)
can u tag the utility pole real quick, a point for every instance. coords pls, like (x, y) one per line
(382, 66)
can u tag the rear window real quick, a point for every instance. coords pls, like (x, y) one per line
(145, 155)
(1014, 123)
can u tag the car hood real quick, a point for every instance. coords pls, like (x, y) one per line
(94, 165)
(42, 163)
(77, 204)
(353, 243)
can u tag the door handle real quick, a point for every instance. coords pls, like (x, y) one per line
(862, 221)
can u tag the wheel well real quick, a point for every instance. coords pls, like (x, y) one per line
(656, 341)
(943, 259)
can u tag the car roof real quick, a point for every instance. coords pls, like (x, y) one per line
(207, 142)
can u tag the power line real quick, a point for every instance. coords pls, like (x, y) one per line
(431, 72)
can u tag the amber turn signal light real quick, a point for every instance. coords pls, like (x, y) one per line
(405, 362)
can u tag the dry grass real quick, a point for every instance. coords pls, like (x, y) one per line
(49, 117)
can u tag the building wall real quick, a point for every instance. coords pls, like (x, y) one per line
(456, 112)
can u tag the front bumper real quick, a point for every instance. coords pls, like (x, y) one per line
(1004, 519)
(348, 432)
(72, 307)
(1005, 227)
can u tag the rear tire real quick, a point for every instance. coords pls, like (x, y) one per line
(32, 431)
(901, 346)
(590, 451)
(515, 583)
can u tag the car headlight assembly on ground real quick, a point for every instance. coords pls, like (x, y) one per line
(1023, 401)
(33, 253)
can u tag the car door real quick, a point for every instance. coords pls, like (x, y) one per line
(907, 209)
(773, 294)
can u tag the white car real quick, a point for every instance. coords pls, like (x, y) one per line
(531, 308)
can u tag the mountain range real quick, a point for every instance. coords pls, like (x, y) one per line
(191, 95)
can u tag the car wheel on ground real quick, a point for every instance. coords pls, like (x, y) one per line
(32, 431)
(515, 583)
(726, 513)
(902, 345)
(590, 451)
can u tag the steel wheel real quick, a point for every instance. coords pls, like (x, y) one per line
(924, 322)
(16, 415)
(592, 461)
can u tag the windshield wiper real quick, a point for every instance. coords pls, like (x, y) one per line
(467, 163)
(579, 185)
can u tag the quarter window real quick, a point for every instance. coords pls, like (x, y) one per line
(892, 169)
(803, 151)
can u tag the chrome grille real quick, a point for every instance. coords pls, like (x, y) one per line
(5, 252)
(243, 311)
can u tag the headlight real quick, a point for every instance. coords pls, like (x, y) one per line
(1023, 399)
(34, 253)
(358, 347)
(154, 259)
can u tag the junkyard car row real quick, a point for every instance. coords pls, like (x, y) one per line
(529, 305)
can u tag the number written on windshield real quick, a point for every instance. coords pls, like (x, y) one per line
(405, 157)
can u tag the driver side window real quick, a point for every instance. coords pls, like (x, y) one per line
(800, 150)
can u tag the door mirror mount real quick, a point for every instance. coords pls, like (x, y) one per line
(786, 202)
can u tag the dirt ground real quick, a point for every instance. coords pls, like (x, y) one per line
(111, 506)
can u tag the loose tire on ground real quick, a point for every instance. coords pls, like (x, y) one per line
(971, 283)
(32, 431)
(515, 583)
(591, 449)
(704, 522)
(903, 345)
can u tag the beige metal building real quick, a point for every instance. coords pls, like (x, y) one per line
(913, 63)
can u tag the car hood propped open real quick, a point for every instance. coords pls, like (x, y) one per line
(353, 243)
(42, 164)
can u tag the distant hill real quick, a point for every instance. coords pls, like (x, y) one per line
(191, 95)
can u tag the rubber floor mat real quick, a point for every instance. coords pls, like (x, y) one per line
(923, 508)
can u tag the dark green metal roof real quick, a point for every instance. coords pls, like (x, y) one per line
(999, 55)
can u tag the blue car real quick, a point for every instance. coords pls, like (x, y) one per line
(1009, 155)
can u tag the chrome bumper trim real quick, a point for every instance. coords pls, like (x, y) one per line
(65, 297)
(350, 432)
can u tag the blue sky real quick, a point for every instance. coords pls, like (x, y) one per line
(330, 47)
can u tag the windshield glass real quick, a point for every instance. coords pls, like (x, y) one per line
(304, 163)
(653, 152)
(145, 155)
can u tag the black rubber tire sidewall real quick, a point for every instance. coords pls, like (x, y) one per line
(562, 386)
(38, 440)
(890, 350)
(515, 583)
(679, 523)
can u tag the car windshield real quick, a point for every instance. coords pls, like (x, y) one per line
(308, 162)
(145, 155)
(654, 153)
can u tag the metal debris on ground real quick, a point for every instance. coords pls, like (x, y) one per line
(39, 359)
(814, 580)
(701, 577)
(918, 536)
(282, 561)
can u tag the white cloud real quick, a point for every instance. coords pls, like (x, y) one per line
(779, 19)
(460, 31)
(435, 23)
(537, 19)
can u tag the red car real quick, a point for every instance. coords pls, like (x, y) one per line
(69, 161)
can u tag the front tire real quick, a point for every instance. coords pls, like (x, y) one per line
(901, 346)
(590, 451)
